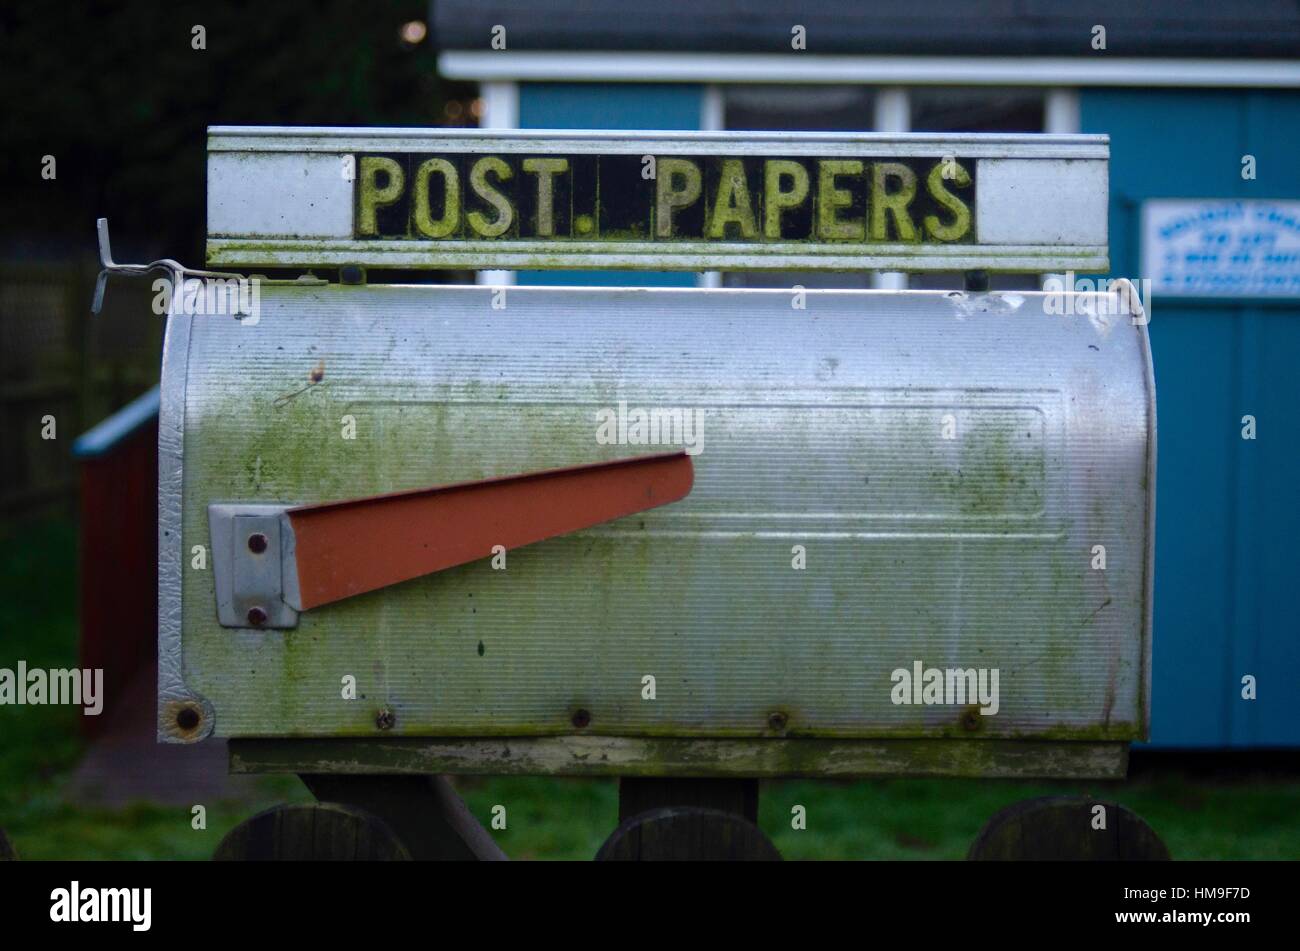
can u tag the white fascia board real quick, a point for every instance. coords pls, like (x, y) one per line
(1099, 69)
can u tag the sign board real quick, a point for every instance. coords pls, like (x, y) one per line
(1221, 247)
(453, 198)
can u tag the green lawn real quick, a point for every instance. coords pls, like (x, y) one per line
(912, 818)
(1254, 817)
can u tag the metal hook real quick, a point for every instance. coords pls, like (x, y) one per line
(109, 266)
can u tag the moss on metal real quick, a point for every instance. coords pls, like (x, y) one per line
(574, 622)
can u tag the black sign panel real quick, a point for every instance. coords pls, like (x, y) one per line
(665, 199)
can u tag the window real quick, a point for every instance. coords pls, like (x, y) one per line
(813, 108)
(975, 109)
(799, 108)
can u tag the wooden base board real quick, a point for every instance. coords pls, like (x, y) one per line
(637, 756)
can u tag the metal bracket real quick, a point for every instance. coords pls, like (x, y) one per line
(253, 565)
(109, 266)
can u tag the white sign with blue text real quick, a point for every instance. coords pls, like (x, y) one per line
(1221, 247)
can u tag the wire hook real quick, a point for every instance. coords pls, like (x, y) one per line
(109, 266)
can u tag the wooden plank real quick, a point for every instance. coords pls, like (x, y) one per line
(29, 390)
(635, 756)
(27, 496)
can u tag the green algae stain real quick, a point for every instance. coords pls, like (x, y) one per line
(255, 449)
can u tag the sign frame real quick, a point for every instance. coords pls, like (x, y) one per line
(280, 197)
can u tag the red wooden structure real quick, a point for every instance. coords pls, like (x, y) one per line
(119, 547)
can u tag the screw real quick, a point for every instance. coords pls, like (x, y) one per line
(581, 719)
(777, 721)
(257, 543)
(970, 719)
(385, 719)
(187, 718)
(256, 616)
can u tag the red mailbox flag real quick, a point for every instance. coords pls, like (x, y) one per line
(357, 545)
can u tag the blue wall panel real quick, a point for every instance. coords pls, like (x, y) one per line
(636, 106)
(641, 106)
(1270, 504)
(1227, 519)
(1193, 610)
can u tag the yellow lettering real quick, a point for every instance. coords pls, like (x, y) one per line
(425, 224)
(546, 169)
(732, 203)
(831, 199)
(677, 185)
(775, 199)
(484, 189)
(372, 197)
(883, 201)
(960, 225)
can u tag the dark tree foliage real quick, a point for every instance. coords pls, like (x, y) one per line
(117, 93)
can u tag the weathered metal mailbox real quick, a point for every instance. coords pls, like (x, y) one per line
(777, 532)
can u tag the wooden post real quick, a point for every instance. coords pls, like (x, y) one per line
(738, 796)
(425, 812)
(316, 832)
(687, 820)
(1069, 828)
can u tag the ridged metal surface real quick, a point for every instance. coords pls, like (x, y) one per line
(823, 427)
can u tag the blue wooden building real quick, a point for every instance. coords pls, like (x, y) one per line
(1202, 104)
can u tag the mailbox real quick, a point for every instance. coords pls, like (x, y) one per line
(632, 531)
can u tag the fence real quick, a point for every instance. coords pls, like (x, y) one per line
(62, 370)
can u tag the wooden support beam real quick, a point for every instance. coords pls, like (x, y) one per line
(425, 812)
(737, 796)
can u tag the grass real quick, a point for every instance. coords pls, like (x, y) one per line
(1234, 817)
(40, 745)
(1245, 818)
